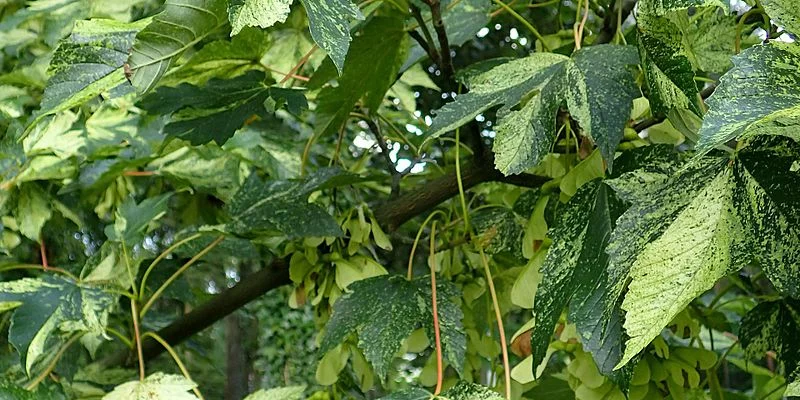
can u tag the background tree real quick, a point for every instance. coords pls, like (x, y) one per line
(468, 199)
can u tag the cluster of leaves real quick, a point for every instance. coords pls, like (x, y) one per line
(641, 237)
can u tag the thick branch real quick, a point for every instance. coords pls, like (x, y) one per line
(223, 304)
(395, 212)
(441, 34)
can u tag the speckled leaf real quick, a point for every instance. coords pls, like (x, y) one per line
(50, 304)
(669, 76)
(215, 110)
(329, 22)
(505, 84)
(282, 205)
(470, 391)
(262, 13)
(595, 84)
(774, 326)
(132, 220)
(282, 393)
(689, 256)
(88, 63)
(708, 38)
(158, 386)
(205, 168)
(661, 7)
(655, 201)
(182, 24)
(764, 89)
(785, 13)
(372, 67)
(384, 310)
(498, 231)
(575, 267)
(767, 200)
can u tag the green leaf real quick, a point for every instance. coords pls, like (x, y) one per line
(662, 7)
(158, 386)
(498, 231)
(669, 75)
(222, 58)
(766, 199)
(784, 13)
(263, 13)
(132, 220)
(88, 63)
(215, 110)
(774, 325)
(329, 22)
(470, 391)
(574, 269)
(384, 310)
(205, 168)
(371, 68)
(283, 393)
(282, 206)
(182, 24)
(33, 211)
(763, 88)
(696, 249)
(524, 136)
(42, 306)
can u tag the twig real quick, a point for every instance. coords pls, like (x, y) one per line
(43, 253)
(427, 42)
(441, 34)
(436, 334)
(299, 65)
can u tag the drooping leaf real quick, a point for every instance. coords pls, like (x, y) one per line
(282, 206)
(669, 75)
(49, 304)
(329, 22)
(574, 273)
(262, 13)
(375, 58)
(283, 393)
(222, 58)
(766, 199)
(470, 391)
(698, 247)
(215, 110)
(158, 386)
(384, 310)
(524, 136)
(763, 88)
(132, 220)
(89, 63)
(774, 326)
(784, 13)
(182, 24)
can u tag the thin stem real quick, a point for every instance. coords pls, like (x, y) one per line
(499, 317)
(579, 28)
(175, 358)
(436, 334)
(524, 23)
(410, 273)
(138, 337)
(43, 252)
(52, 365)
(139, 173)
(129, 270)
(127, 342)
(162, 256)
(299, 65)
(178, 273)
(38, 267)
(461, 195)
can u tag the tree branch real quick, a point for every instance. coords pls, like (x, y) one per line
(609, 29)
(427, 42)
(441, 34)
